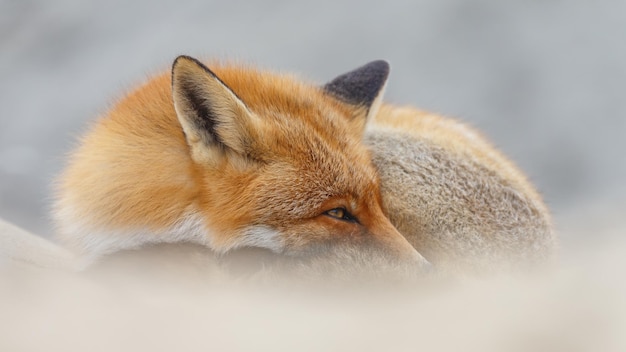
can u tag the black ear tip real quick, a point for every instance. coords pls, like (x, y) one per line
(362, 85)
(380, 66)
(378, 69)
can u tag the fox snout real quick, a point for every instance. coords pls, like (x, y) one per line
(336, 262)
(380, 251)
(395, 248)
(363, 262)
(391, 240)
(371, 248)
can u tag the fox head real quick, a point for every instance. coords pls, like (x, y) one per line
(280, 164)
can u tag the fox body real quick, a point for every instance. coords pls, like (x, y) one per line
(232, 157)
(458, 201)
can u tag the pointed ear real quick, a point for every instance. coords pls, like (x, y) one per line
(213, 117)
(362, 87)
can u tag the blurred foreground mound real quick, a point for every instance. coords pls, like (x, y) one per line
(140, 302)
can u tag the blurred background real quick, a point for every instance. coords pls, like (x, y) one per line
(545, 80)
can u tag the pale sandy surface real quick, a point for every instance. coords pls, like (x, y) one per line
(578, 305)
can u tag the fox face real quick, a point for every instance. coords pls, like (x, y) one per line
(286, 170)
(234, 158)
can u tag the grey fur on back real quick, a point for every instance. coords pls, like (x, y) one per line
(459, 214)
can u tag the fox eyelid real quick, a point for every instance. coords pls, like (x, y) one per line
(341, 214)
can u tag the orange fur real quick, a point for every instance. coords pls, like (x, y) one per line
(297, 155)
(229, 156)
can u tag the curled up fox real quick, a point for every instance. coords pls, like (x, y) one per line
(230, 157)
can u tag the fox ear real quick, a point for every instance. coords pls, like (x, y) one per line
(362, 87)
(213, 117)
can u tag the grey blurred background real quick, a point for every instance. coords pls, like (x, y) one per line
(544, 79)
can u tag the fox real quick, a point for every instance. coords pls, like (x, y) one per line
(231, 157)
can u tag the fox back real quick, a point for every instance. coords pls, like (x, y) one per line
(232, 157)
(463, 205)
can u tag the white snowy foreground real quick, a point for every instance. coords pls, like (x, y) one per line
(176, 304)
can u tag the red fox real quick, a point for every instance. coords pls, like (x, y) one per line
(229, 157)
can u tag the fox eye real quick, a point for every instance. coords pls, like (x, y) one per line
(341, 214)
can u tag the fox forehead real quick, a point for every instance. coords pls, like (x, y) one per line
(264, 91)
(280, 97)
(305, 130)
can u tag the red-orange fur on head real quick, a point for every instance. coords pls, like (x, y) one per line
(306, 157)
(296, 155)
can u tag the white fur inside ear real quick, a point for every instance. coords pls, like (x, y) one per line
(373, 110)
(210, 113)
(260, 237)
